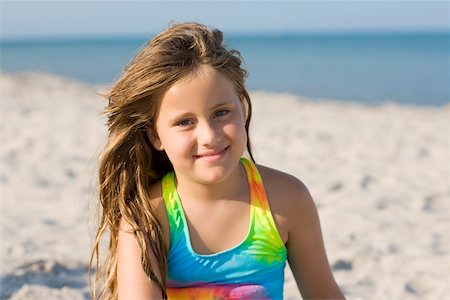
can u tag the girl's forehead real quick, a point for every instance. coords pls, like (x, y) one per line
(206, 85)
(202, 74)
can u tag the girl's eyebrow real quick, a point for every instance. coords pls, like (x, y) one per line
(177, 116)
(226, 102)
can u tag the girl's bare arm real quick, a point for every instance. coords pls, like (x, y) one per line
(132, 282)
(306, 250)
(298, 224)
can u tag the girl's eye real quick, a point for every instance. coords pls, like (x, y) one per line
(221, 113)
(184, 123)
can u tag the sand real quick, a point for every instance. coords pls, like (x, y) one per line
(379, 176)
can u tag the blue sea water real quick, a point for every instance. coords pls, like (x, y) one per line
(372, 68)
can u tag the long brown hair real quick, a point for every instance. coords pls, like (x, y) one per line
(129, 163)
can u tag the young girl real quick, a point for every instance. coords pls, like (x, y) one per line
(188, 216)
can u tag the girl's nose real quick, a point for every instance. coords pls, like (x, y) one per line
(208, 134)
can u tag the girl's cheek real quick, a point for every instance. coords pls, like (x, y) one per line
(234, 129)
(181, 140)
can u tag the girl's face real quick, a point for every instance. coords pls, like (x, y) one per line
(201, 127)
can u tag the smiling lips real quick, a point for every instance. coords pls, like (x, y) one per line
(212, 156)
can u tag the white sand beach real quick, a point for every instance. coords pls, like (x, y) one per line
(379, 176)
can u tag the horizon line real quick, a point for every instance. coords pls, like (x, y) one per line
(229, 34)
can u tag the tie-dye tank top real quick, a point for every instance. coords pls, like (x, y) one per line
(254, 269)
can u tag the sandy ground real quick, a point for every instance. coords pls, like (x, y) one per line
(379, 176)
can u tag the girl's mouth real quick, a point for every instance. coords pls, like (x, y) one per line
(212, 156)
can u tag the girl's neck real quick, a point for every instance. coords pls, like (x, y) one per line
(233, 187)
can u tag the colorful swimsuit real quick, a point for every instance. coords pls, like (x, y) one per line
(254, 269)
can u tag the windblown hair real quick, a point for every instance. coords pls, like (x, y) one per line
(129, 163)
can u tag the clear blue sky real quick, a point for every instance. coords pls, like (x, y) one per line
(34, 19)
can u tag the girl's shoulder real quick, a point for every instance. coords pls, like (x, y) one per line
(288, 196)
(157, 203)
(283, 186)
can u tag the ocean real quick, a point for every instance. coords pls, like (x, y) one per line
(372, 68)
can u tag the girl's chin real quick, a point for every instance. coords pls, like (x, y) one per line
(214, 176)
(216, 173)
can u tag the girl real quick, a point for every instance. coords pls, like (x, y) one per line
(188, 216)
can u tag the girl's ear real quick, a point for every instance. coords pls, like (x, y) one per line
(154, 138)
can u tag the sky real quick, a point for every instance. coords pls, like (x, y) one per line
(49, 19)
